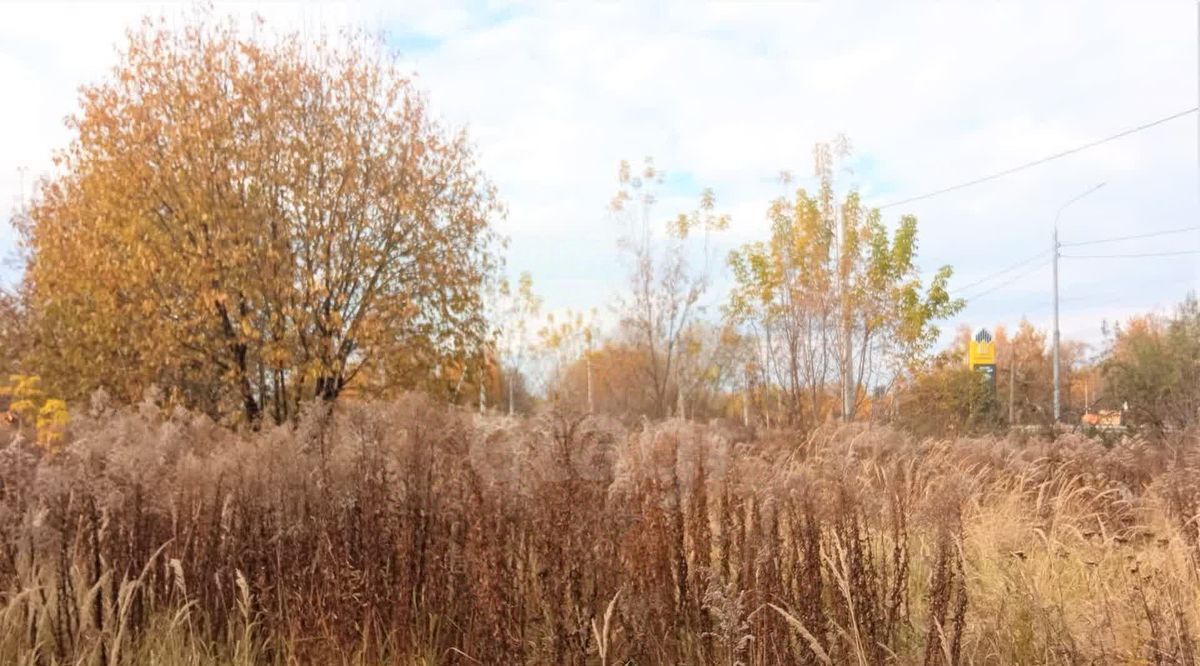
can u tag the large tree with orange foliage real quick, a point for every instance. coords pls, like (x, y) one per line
(1152, 367)
(252, 222)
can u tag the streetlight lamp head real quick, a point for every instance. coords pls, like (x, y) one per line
(1077, 197)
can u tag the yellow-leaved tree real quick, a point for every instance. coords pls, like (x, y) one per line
(252, 222)
(833, 298)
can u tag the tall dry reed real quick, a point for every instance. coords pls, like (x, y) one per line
(411, 533)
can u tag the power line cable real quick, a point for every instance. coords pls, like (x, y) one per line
(1134, 237)
(1092, 297)
(1048, 158)
(1129, 256)
(997, 274)
(1122, 294)
(1029, 260)
(1001, 285)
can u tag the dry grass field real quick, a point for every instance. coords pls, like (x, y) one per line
(407, 533)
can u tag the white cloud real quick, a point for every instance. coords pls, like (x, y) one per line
(730, 93)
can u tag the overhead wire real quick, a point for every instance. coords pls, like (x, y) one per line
(1005, 283)
(1043, 160)
(1129, 256)
(978, 295)
(1115, 239)
(1093, 296)
(997, 274)
(1029, 260)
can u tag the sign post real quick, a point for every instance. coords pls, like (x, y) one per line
(981, 357)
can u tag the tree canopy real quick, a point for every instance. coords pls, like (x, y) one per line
(1152, 367)
(833, 298)
(252, 223)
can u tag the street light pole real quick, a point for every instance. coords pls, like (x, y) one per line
(1054, 343)
(1055, 250)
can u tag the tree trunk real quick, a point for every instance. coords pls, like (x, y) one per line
(328, 388)
(249, 403)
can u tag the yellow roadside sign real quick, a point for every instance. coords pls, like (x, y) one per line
(982, 350)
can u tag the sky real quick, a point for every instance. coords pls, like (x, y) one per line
(726, 95)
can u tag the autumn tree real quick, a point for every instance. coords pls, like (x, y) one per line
(1152, 365)
(617, 374)
(1024, 373)
(665, 280)
(13, 329)
(261, 219)
(710, 362)
(518, 308)
(564, 340)
(833, 298)
(946, 398)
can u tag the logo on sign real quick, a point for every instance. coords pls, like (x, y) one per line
(982, 350)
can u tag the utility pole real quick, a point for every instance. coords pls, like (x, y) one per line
(1054, 344)
(1055, 250)
(1012, 382)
